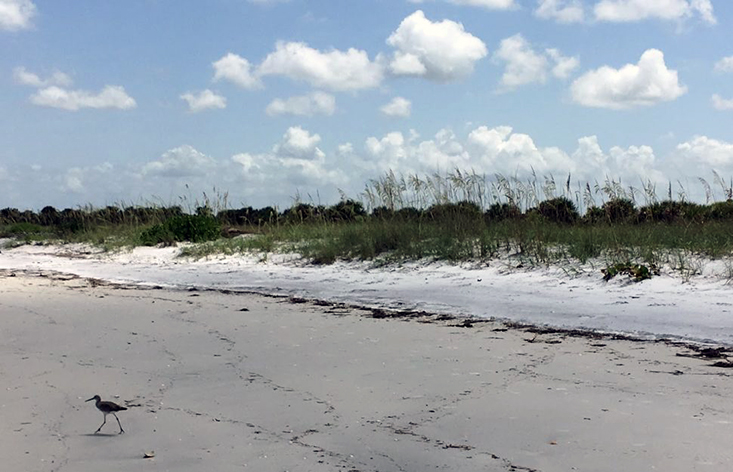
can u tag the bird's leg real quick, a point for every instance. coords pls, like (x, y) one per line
(105, 422)
(118, 422)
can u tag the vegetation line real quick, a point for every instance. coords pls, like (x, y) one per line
(456, 217)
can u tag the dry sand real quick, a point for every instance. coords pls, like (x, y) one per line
(224, 382)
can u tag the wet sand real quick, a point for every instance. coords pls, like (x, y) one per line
(224, 382)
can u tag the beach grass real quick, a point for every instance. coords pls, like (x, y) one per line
(456, 217)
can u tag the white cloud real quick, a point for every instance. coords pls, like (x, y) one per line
(205, 100)
(78, 179)
(724, 65)
(720, 103)
(74, 180)
(647, 83)
(16, 14)
(564, 66)
(637, 10)
(24, 77)
(490, 4)
(299, 143)
(332, 70)
(183, 161)
(562, 11)
(441, 51)
(111, 96)
(237, 70)
(710, 153)
(500, 150)
(523, 64)
(296, 164)
(399, 107)
(316, 103)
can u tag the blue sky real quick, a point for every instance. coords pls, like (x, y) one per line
(151, 100)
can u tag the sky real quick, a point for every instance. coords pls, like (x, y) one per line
(276, 101)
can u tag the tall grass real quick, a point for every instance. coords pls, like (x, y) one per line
(456, 216)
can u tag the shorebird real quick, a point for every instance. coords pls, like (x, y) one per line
(107, 408)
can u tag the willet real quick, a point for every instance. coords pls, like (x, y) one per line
(107, 408)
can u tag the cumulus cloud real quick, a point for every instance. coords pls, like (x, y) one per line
(562, 11)
(25, 77)
(398, 107)
(237, 70)
(440, 51)
(710, 153)
(316, 103)
(16, 14)
(77, 180)
(407, 155)
(647, 83)
(183, 161)
(299, 143)
(564, 66)
(524, 65)
(205, 100)
(637, 10)
(111, 96)
(501, 150)
(296, 164)
(508, 152)
(332, 70)
(720, 103)
(724, 65)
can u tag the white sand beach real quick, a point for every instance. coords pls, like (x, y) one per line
(233, 381)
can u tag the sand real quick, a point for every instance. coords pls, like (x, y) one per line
(667, 306)
(225, 381)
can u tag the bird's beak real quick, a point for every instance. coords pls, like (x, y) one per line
(89, 400)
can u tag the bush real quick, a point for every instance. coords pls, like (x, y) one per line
(619, 210)
(157, 234)
(637, 272)
(502, 211)
(21, 229)
(454, 211)
(720, 211)
(559, 210)
(345, 210)
(193, 228)
(303, 213)
(594, 215)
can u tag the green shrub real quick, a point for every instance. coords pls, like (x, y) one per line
(21, 229)
(193, 228)
(720, 211)
(670, 211)
(345, 210)
(559, 210)
(619, 210)
(502, 211)
(303, 213)
(157, 234)
(637, 272)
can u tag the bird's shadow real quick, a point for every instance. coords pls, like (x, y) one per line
(100, 435)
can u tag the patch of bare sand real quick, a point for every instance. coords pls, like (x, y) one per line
(226, 382)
